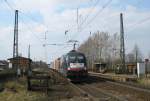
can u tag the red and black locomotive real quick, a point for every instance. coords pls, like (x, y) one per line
(73, 65)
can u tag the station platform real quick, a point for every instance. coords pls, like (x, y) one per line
(116, 77)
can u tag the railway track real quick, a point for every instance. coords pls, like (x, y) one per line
(93, 92)
(101, 88)
(125, 84)
(97, 88)
(96, 94)
(85, 90)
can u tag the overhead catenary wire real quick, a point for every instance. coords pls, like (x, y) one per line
(87, 16)
(27, 16)
(31, 18)
(36, 21)
(133, 26)
(13, 9)
(93, 18)
(30, 29)
(100, 11)
(9, 5)
(61, 48)
(141, 22)
(97, 2)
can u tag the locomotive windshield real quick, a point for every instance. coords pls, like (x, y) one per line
(76, 59)
(72, 59)
(80, 59)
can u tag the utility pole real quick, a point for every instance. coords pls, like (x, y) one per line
(77, 20)
(122, 46)
(29, 52)
(29, 63)
(45, 46)
(136, 56)
(15, 44)
(89, 51)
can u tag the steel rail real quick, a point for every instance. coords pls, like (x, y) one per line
(122, 84)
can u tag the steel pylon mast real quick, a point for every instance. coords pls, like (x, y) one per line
(122, 45)
(15, 45)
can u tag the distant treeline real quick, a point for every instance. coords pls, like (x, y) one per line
(105, 48)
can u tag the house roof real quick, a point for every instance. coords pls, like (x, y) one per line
(19, 57)
(3, 62)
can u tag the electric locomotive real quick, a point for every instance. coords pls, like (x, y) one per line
(73, 65)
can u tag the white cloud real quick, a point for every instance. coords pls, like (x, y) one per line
(58, 21)
(6, 41)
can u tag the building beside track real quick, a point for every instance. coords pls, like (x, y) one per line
(55, 64)
(3, 65)
(100, 67)
(22, 62)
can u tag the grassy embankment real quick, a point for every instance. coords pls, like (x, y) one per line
(7, 73)
(144, 82)
(17, 91)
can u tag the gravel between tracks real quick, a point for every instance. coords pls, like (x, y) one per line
(95, 89)
(96, 85)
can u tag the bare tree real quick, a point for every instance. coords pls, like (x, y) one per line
(101, 47)
(149, 55)
(137, 53)
(130, 58)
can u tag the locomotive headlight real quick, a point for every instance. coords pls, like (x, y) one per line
(72, 65)
(68, 68)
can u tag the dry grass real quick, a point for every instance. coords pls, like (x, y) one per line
(16, 91)
(145, 82)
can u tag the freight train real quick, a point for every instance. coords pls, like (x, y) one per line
(72, 65)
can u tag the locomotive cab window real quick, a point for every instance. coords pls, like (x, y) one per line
(80, 58)
(72, 59)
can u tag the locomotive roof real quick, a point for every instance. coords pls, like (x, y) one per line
(74, 52)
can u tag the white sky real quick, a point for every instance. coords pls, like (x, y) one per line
(56, 16)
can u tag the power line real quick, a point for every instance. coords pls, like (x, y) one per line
(100, 11)
(58, 50)
(142, 21)
(56, 53)
(33, 19)
(30, 29)
(87, 16)
(133, 26)
(57, 44)
(9, 5)
(92, 19)
(97, 2)
(26, 15)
